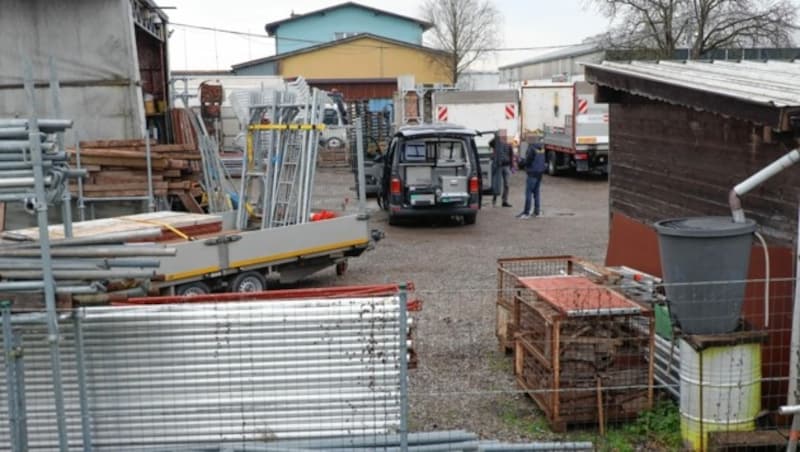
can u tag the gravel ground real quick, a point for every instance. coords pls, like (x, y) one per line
(463, 381)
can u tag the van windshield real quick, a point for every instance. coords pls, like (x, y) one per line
(330, 117)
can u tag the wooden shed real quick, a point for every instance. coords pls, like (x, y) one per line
(683, 134)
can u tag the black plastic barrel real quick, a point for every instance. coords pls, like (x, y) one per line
(705, 261)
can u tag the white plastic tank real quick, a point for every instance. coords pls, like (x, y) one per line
(720, 390)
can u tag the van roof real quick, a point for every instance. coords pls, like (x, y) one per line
(435, 129)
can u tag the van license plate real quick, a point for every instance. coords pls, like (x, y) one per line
(424, 200)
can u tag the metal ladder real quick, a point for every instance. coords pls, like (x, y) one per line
(278, 166)
(286, 196)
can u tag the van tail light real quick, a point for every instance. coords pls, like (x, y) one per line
(473, 184)
(395, 186)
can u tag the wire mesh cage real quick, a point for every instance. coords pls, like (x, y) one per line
(509, 270)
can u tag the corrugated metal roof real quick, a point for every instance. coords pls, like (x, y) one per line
(568, 52)
(770, 83)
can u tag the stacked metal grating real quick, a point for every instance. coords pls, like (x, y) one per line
(279, 166)
(16, 162)
(211, 373)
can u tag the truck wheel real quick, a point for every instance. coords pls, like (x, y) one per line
(194, 289)
(341, 268)
(470, 219)
(248, 282)
(552, 168)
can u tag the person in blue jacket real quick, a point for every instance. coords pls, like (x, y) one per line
(534, 165)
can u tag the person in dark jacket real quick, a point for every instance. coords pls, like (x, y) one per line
(502, 156)
(534, 165)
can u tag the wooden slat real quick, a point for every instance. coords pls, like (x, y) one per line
(157, 164)
(111, 143)
(189, 203)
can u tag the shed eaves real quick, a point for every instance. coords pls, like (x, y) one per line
(771, 83)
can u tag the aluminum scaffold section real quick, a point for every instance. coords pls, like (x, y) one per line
(279, 165)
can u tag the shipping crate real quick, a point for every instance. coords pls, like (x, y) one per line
(509, 270)
(580, 353)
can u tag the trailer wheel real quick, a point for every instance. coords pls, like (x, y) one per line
(341, 268)
(193, 289)
(552, 168)
(248, 282)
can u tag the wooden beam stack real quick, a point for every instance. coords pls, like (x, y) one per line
(119, 168)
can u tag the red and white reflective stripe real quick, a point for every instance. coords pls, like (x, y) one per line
(511, 111)
(583, 106)
(605, 117)
(441, 113)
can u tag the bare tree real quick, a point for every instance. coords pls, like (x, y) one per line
(700, 25)
(464, 29)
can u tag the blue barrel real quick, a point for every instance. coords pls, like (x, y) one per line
(704, 261)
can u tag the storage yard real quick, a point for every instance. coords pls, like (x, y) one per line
(355, 241)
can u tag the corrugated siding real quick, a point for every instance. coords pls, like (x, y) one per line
(267, 68)
(159, 375)
(365, 58)
(309, 30)
(355, 90)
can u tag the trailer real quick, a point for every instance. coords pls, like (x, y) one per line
(573, 127)
(485, 111)
(212, 255)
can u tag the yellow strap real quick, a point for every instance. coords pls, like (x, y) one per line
(172, 228)
(251, 211)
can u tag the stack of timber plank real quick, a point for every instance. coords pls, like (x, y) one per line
(175, 226)
(118, 168)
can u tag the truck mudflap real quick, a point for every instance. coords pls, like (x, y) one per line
(233, 251)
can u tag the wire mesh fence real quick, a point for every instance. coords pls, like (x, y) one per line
(594, 361)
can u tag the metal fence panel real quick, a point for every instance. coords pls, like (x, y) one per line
(234, 371)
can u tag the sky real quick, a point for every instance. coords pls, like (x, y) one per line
(526, 23)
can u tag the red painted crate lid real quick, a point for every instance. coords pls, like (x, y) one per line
(578, 296)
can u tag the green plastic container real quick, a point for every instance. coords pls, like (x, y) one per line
(663, 322)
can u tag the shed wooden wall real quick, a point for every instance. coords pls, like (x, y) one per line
(670, 161)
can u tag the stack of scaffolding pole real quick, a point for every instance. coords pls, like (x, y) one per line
(82, 265)
(17, 165)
